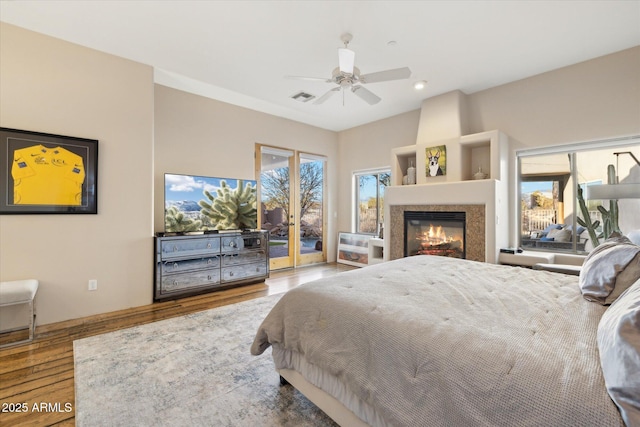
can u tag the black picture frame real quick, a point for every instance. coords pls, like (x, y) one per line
(42, 173)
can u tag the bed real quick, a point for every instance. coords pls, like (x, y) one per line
(434, 341)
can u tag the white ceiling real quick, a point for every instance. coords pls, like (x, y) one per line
(240, 51)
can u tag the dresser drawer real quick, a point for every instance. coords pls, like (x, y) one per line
(185, 281)
(176, 248)
(177, 266)
(243, 258)
(245, 241)
(239, 272)
(232, 243)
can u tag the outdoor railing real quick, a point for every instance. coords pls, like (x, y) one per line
(539, 219)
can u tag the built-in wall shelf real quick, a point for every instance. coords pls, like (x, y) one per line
(484, 152)
(376, 250)
(400, 158)
(466, 156)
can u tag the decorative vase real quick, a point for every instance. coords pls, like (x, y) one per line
(479, 174)
(411, 173)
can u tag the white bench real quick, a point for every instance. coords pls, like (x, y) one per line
(18, 292)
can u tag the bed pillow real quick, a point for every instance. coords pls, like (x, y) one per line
(619, 348)
(604, 274)
(634, 236)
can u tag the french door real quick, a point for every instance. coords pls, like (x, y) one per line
(291, 187)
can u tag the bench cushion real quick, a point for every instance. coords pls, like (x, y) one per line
(18, 291)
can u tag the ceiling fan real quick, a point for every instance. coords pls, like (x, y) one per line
(347, 76)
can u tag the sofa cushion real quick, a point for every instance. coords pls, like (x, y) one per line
(563, 235)
(546, 231)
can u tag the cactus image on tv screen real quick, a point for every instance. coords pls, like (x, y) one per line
(198, 203)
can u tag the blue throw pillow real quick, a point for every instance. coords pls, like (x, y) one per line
(579, 230)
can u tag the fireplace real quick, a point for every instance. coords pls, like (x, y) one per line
(435, 233)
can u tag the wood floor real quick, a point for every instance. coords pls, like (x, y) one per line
(36, 379)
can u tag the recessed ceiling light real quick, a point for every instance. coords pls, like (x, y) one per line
(420, 85)
(392, 43)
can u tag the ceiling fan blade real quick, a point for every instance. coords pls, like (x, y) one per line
(383, 76)
(326, 96)
(346, 60)
(311, 79)
(369, 97)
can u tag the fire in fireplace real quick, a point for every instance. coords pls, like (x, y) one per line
(434, 233)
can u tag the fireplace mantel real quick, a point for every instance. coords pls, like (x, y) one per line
(484, 200)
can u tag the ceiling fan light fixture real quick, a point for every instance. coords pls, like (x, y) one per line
(419, 85)
(346, 59)
(347, 76)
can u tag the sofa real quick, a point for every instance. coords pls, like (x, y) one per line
(556, 236)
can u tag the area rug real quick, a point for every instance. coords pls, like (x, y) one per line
(193, 370)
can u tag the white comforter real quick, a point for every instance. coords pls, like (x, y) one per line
(434, 341)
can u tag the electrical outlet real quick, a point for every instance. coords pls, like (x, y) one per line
(93, 285)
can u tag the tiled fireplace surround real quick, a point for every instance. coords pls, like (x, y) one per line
(474, 235)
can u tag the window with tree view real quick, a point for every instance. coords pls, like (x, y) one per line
(566, 204)
(370, 188)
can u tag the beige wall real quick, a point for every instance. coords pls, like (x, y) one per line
(591, 100)
(202, 136)
(51, 86)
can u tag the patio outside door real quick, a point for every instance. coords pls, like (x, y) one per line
(292, 207)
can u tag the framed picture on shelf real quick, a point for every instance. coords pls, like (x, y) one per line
(43, 173)
(436, 161)
(353, 249)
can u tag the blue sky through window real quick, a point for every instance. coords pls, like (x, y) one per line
(530, 187)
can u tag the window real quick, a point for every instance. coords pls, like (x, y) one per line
(369, 190)
(559, 207)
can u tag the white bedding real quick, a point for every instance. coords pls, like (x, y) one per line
(434, 341)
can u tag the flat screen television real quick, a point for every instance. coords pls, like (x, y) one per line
(199, 203)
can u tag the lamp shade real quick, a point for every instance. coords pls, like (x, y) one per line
(613, 191)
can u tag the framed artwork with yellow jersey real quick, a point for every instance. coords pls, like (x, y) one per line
(43, 173)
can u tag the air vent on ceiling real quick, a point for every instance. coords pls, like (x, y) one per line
(303, 97)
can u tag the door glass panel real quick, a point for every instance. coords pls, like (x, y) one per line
(275, 199)
(311, 203)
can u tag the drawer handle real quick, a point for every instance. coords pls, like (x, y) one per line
(175, 283)
(257, 269)
(175, 265)
(175, 249)
(209, 277)
(209, 261)
(232, 244)
(208, 245)
(231, 273)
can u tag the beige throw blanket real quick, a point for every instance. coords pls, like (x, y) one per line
(433, 341)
